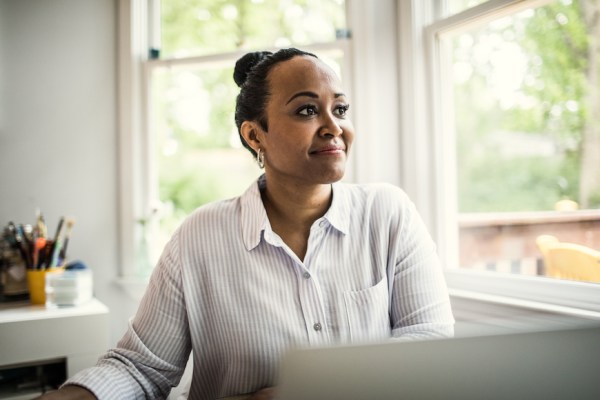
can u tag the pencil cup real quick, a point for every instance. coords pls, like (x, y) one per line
(36, 283)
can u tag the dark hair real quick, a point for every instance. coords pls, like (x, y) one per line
(251, 73)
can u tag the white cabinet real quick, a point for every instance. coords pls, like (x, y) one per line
(32, 335)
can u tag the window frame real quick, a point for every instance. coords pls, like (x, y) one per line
(132, 46)
(547, 294)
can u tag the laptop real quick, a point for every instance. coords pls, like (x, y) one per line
(553, 364)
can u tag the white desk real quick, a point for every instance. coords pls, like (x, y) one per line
(30, 334)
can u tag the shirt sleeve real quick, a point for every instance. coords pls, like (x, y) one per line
(151, 357)
(420, 304)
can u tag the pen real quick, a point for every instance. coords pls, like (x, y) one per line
(45, 255)
(40, 243)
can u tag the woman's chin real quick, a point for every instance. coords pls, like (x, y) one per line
(333, 175)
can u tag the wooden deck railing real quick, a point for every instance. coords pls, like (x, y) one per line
(506, 241)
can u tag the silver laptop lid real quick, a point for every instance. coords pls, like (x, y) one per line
(558, 364)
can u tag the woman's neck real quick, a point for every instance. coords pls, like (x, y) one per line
(298, 205)
(292, 210)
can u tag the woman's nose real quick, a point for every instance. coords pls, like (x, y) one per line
(330, 127)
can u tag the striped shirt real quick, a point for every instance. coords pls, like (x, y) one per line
(228, 288)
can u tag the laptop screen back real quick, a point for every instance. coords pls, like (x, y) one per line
(559, 364)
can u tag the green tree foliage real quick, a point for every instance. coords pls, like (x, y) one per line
(195, 27)
(550, 105)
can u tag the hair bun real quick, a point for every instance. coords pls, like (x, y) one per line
(244, 65)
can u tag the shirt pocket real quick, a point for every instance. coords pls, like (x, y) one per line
(367, 311)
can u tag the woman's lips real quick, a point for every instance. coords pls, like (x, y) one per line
(328, 150)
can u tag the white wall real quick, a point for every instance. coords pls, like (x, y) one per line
(58, 132)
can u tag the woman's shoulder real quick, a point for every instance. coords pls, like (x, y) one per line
(212, 214)
(380, 203)
(376, 192)
(380, 199)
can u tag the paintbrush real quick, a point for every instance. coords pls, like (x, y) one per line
(56, 244)
(63, 251)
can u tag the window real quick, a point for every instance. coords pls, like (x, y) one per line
(522, 94)
(190, 151)
(517, 83)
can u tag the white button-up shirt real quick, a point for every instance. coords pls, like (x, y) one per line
(229, 288)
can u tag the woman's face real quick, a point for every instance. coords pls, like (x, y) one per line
(309, 134)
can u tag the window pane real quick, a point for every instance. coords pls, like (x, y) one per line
(526, 100)
(198, 153)
(199, 27)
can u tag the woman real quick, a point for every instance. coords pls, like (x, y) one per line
(298, 260)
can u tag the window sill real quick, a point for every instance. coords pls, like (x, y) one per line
(565, 297)
(525, 304)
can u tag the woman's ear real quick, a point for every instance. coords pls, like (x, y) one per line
(251, 132)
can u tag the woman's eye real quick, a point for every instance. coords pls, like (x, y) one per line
(342, 110)
(308, 110)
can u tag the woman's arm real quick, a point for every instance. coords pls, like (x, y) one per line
(151, 357)
(69, 392)
(420, 304)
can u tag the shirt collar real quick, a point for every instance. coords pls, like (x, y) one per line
(253, 214)
(254, 220)
(339, 211)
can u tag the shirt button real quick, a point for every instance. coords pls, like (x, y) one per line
(322, 223)
(306, 275)
(317, 327)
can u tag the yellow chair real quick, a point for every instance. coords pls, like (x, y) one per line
(569, 260)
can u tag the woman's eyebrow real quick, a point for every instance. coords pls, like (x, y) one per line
(312, 95)
(300, 94)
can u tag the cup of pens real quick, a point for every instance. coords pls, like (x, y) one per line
(42, 255)
(36, 283)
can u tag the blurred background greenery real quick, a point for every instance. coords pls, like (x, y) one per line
(524, 107)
